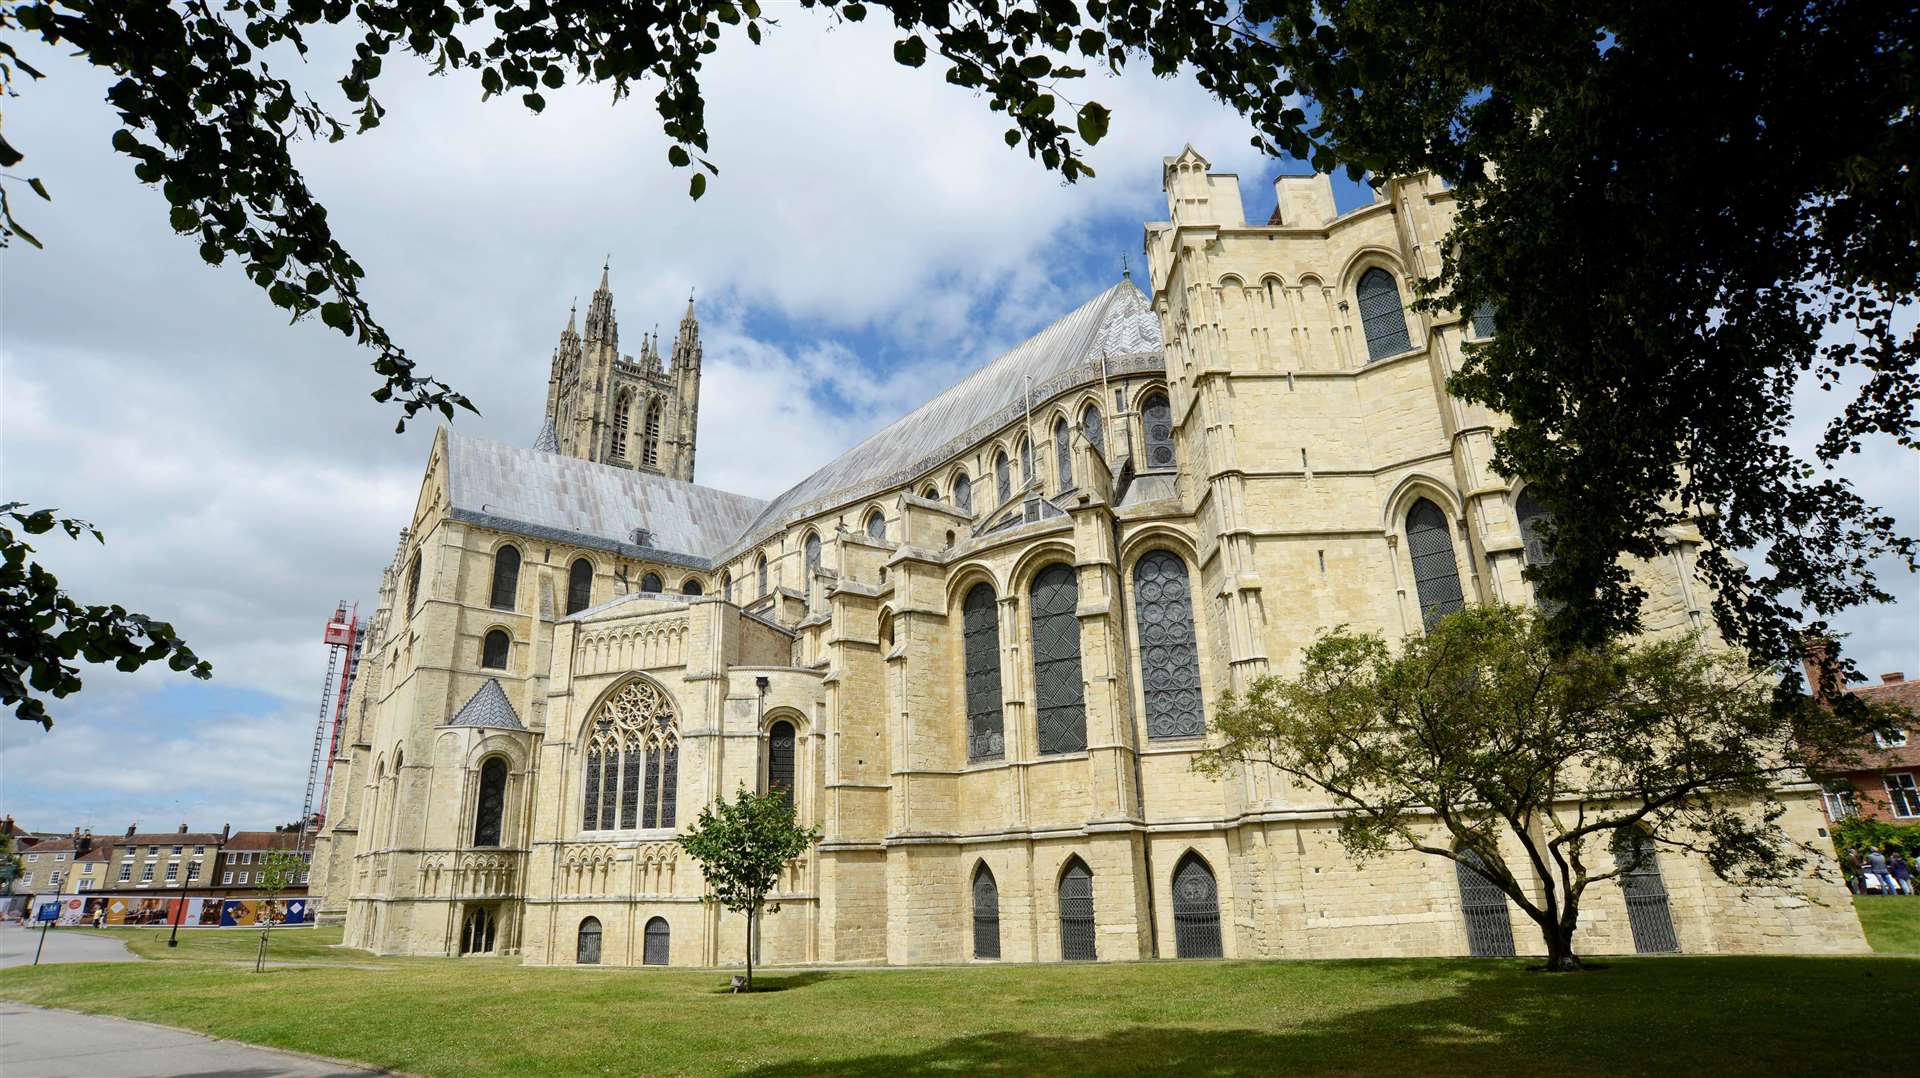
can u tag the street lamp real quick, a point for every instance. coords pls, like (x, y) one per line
(173, 937)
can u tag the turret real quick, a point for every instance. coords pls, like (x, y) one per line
(601, 326)
(686, 382)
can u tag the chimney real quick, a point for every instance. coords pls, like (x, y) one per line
(1894, 678)
(82, 844)
(183, 829)
(225, 830)
(1818, 652)
(131, 827)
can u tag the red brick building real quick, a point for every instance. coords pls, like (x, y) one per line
(1885, 784)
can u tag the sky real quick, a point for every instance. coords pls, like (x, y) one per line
(870, 238)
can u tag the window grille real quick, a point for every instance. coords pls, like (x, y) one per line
(986, 914)
(586, 950)
(1483, 905)
(579, 586)
(1436, 576)
(1076, 913)
(981, 631)
(1062, 455)
(1646, 892)
(491, 804)
(1482, 322)
(494, 648)
(1060, 704)
(650, 450)
(780, 755)
(963, 493)
(591, 819)
(1381, 317)
(1156, 418)
(657, 940)
(1196, 909)
(1169, 656)
(1902, 795)
(506, 577)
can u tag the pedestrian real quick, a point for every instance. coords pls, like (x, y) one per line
(1902, 872)
(1850, 868)
(1877, 867)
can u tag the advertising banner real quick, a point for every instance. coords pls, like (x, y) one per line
(46, 908)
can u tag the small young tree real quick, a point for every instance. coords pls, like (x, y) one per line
(281, 868)
(741, 846)
(1481, 729)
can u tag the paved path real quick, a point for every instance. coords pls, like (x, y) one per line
(37, 1043)
(17, 945)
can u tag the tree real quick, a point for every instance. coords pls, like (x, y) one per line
(742, 846)
(1485, 737)
(43, 629)
(280, 869)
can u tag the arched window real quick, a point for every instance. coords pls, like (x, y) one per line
(650, 448)
(691, 586)
(622, 420)
(1381, 318)
(985, 740)
(657, 940)
(1534, 523)
(1076, 912)
(876, 526)
(1156, 419)
(633, 761)
(1647, 911)
(726, 586)
(493, 649)
(491, 807)
(1062, 455)
(963, 493)
(780, 752)
(1026, 462)
(476, 934)
(1436, 576)
(986, 913)
(1002, 478)
(650, 584)
(1169, 657)
(812, 558)
(579, 586)
(413, 585)
(931, 494)
(1482, 324)
(1483, 905)
(506, 577)
(1059, 698)
(586, 951)
(761, 571)
(1196, 909)
(1090, 425)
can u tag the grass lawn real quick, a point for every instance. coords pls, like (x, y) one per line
(1892, 923)
(1413, 1017)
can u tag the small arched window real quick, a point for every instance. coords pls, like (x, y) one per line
(691, 586)
(650, 449)
(650, 583)
(579, 586)
(1059, 695)
(1533, 517)
(760, 570)
(876, 526)
(493, 649)
(622, 419)
(981, 632)
(1381, 317)
(1169, 657)
(657, 940)
(986, 913)
(1062, 455)
(586, 951)
(1436, 576)
(506, 577)
(931, 494)
(1196, 909)
(1002, 478)
(812, 548)
(963, 493)
(1076, 913)
(1156, 418)
(780, 754)
(1091, 426)
(413, 585)
(1026, 462)
(1481, 325)
(726, 586)
(491, 806)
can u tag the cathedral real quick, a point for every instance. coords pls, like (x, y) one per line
(980, 649)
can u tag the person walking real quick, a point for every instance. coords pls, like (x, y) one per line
(1902, 872)
(1850, 868)
(1877, 866)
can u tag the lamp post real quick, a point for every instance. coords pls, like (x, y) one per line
(173, 937)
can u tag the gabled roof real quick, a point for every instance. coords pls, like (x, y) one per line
(488, 708)
(550, 496)
(1118, 322)
(263, 840)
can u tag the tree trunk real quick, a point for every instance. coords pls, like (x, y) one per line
(750, 919)
(1558, 932)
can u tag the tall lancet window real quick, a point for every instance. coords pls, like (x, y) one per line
(1436, 576)
(1060, 705)
(1002, 478)
(963, 493)
(506, 577)
(981, 631)
(490, 806)
(1382, 318)
(1090, 424)
(622, 423)
(1062, 456)
(633, 758)
(650, 448)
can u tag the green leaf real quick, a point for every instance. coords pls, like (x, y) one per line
(698, 186)
(1035, 67)
(854, 12)
(1093, 122)
(534, 101)
(677, 157)
(910, 52)
(336, 315)
(39, 188)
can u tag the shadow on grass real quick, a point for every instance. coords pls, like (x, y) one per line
(781, 982)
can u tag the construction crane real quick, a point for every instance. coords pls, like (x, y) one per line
(342, 637)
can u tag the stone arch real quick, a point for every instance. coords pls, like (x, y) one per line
(1196, 907)
(1036, 558)
(1412, 488)
(964, 576)
(1076, 906)
(1371, 256)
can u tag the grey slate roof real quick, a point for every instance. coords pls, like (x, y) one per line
(546, 495)
(489, 708)
(1117, 323)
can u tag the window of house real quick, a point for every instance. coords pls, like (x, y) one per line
(177, 849)
(1838, 797)
(243, 878)
(1895, 740)
(55, 879)
(26, 880)
(303, 879)
(173, 872)
(32, 857)
(1902, 795)
(506, 577)
(59, 857)
(126, 873)
(85, 885)
(87, 869)
(494, 648)
(199, 851)
(146, 873)
(1382, 318)
(579, 586)
(153, 851)
(193, 870)
(226, 877)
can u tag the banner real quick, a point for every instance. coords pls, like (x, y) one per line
(46, 908)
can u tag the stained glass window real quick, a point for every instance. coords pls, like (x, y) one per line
(491, 805)
(1062, 455)
(1059, 696)
(506, 577)
(982, 635)
(1156, 417)
(1381, 317)
(1169, 657)
(1436, 576)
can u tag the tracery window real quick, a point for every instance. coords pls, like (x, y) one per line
(981, 633)
(622, 422)
(963, 493)
(1436, 576)
(650, 583)
(1002, 477)
(1381, 316)
(1090, 425)
(986, 913)
(1062, 455)
(490, 806)
(1196, 909)
(780, 757)
(494, 648)
(1059, 696)
(1076, 913)
(579, 586)
(633, 761)
(1156, 417)
(506, 577)
(650, 450)
(876, 526)
(1169, 656)
(691, 586)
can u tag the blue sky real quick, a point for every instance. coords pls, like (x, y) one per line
(869, 240)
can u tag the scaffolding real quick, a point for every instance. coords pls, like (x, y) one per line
(343, 638)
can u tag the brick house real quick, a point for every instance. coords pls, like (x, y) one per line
(1886, 784)
(171, 860)
(242, 863)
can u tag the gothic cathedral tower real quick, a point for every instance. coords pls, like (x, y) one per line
(620, 410)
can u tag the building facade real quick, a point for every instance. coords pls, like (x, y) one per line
(1883, 783)
(979, 650)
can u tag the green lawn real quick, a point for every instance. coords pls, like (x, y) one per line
(491, 1017)
(1892, 924)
